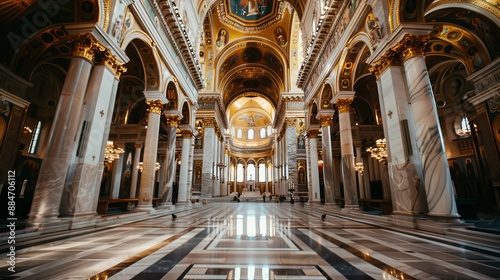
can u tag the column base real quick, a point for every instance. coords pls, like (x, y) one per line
(82, 220)
(51, 225)
(165, 205)
(428, 223)
(145, 208)
(351, 209)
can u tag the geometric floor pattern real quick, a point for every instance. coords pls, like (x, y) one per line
(251, 241)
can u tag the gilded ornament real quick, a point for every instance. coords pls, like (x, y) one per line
(343, 105)
(326, 121)
(155, 106)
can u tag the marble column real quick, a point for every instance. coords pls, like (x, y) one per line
(161, 177)
(83, 186)
(116, 178)
(312, 136)
(404, 167)
(291, 152)
(155, 101)
(182, 196)
(208, 157)
(54, 168)
(327, 159)
(135, 170)
(430, 144)
(343, 101)
(170, 161)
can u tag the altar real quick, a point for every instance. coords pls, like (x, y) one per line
(247, 195)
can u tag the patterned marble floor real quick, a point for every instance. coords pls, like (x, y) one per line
(251, 241)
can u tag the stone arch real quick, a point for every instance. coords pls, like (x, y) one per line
(352, 56)
(149, 60)
(313, 113)
(326, 96)
(172, 97)
(186, 113)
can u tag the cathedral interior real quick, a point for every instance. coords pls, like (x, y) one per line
(250, 139)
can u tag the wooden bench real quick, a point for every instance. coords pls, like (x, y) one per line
(384, 205)
(121, 204)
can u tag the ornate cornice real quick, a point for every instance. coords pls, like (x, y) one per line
(344, 105)
(155, 106)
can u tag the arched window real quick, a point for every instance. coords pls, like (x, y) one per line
(239, 133)
(239, 173)
(262, 133)
(269, 130)
(250, 134)
(251, 172)
(233, 131)
(262, 172)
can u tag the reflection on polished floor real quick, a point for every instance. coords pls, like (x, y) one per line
(252, 240)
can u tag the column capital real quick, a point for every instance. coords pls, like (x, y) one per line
(103, 56)
(409, 46)
(155, 106)
(326, 120)
(209, 122)
(173, 121)
(138, 145)
(344, 104)
(187, 134)
(85, 46)
(312, 134)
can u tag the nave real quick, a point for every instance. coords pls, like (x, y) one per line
(251, 240)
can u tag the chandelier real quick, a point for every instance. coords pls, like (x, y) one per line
(141, 166)
(379, 151)
(359, 167)
(111, 152)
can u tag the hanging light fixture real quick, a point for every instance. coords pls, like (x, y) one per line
(379, 151)
(359, 167)
(112, 152)
(141, 166)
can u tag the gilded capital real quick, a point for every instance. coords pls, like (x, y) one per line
(85, 46)
(187, 134)
(138, 146)
(326, 121)
(390, 58)
(312, 134)
(155, 106)
(344, 105)
(104, 57)
(173, 121)
(411, 46)
(209, 122)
